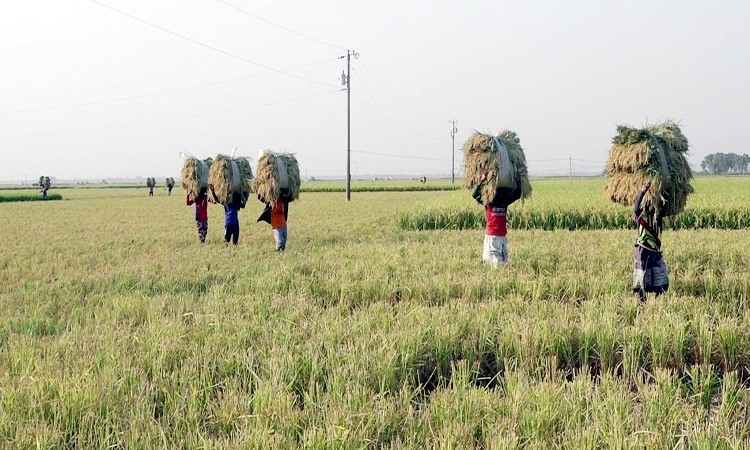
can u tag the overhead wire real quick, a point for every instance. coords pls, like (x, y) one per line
(172, 119)
(280, 26)
(210, 47)
(364, 66)
(155, 94)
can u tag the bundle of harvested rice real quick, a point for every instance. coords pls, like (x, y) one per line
(44, 182)
(277, 176)
(502, 158)
(195, 175)
(229, 176)
(655, 154)
(150, 182)
(170, 182)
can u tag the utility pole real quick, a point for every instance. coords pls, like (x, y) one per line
(346, 81)
(570, 159)
(453, 155)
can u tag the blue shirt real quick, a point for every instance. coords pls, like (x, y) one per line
(230, 214)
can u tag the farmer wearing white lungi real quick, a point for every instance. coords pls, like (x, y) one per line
(495, 249)
(650, 273)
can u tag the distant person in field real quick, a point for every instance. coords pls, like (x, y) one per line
(201, 212)
(169, 190)
(650, 273)
(495, 248)
(231, 217)
(277, 214)
(43, 190)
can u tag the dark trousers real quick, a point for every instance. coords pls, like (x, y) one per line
(233, 233)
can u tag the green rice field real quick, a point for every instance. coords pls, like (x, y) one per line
(376, 328)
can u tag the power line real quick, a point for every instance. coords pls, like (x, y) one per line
(154, 94)
(400, 156)
(396, 95)
(261, 105)
(279, 26)
(210, 47)
(388, 122)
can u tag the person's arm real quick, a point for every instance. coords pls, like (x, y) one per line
(476, 193)
(189, 200)
(637, 209)
(212, 198)
(515, 194)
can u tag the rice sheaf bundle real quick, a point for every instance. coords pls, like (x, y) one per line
(483, 154)
(277, 174)
(170, 182)
(229, 175)
(655, 154)
(150, 182)
(44, 182)
(195, 175)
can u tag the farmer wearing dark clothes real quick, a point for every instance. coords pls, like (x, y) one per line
(201, 212)
(650, 273)
(495, 249)
(231, 217)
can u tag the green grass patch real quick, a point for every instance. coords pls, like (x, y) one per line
(26, 197)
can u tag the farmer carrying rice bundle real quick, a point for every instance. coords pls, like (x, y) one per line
(230, 184)
(44, 185)
(277, 184)
(195, 182)
(170, 186)
(495, 169)
(649, 170)
(150, 182)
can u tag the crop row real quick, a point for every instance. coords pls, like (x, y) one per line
(6, 198)
(461, 218)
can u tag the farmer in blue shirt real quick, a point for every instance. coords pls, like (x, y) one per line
(231, 219)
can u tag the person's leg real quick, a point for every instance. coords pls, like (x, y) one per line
(236, 234)
(504, 256)
(202, 230)
(639, 274)
(277, 238)
(227, 233)
(487, 249)
(283, 238)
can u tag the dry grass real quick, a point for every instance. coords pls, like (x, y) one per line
(267, 182)
(655, 154)
(229, 176)
(482, 155)
(195, 175)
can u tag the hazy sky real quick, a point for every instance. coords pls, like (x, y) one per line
(87, 92)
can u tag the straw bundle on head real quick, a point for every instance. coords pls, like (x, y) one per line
(277, 175)
(150, 182)
(170, 182)
(195, 175)
(44, 182)
(655, 154)
(229, 176)
(483, 154)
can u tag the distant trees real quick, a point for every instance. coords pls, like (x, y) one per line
(718, 163)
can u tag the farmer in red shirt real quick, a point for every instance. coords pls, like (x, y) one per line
(495, 249)
(276, 214)
(201, 212)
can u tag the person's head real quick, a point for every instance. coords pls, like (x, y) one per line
(202, 193)
(237, 198)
